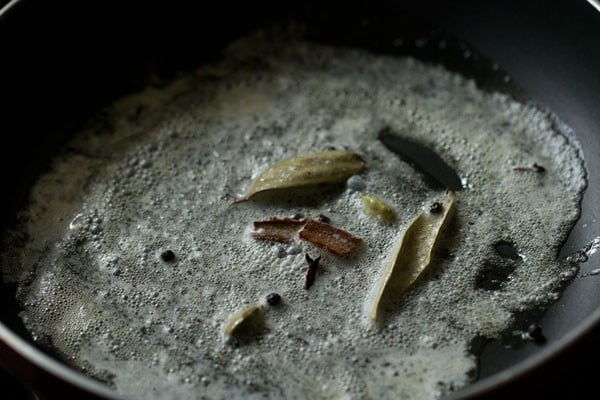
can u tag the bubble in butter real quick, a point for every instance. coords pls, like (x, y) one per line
(159, 169)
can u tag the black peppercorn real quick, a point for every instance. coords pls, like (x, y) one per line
(167, 256)
(273, 299)
(535, 333)
(436, 208)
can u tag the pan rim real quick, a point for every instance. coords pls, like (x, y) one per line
(52, 366)
(473, 390)
(510, 375)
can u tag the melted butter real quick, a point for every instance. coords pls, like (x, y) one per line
(92, 283)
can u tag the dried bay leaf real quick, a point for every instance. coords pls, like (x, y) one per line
(307, 170)
(412, 255)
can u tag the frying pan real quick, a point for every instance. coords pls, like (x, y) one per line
(62, 61)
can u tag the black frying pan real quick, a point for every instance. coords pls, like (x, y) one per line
(61, 62)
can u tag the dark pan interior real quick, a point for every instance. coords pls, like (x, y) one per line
(62, 62)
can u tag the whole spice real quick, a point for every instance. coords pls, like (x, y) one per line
(436, 207)
(535, 333)
(311, 271)
(412, 255)
(167, 256)
(320, 234)
(538, 168)
(284, 230)
(535, 167)
(329, 237)
(378, 209)
(243, 324)
(273, 299)
(306, 170)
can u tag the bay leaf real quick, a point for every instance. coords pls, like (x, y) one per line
(412, 254)
(306, 170)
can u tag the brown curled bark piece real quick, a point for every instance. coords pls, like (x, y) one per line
(329, 237)
(320, 234)
(284, 230)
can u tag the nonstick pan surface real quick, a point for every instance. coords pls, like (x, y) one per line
(63, 61)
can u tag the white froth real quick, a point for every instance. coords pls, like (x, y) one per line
(93, 285)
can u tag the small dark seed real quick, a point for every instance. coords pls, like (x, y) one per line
(535, 333)
(167, 255)
(538, 168)
(273, 299)
(436, 208)
(323, 218)
(298, 216)
(534, 168)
